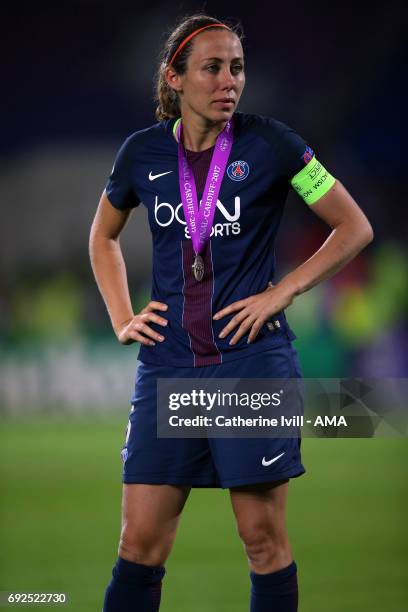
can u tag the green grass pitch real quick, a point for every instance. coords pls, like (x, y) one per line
(60, 523)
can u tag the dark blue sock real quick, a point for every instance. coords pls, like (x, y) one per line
(134, 588)
(275, 592)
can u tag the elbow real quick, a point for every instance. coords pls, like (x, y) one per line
(95, 242)
(93, 239)
(367, 234)
(359, 236)
(92, 248)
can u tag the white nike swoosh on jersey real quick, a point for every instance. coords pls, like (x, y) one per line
(266, 463)
(152, 177)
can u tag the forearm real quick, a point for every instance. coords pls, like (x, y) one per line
(343, 244)
(110, 273)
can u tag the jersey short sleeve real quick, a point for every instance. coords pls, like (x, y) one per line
(294, 152)
(290, 150)
(308, 177)
(119, 188)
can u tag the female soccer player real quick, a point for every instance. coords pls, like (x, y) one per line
(214, 310)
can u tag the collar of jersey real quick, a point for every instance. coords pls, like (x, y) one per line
(175, 128)
(191, 153)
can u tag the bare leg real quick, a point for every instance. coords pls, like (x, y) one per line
(150, 515)
(260, 513)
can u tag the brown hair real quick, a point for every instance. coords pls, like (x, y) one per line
(167, 100)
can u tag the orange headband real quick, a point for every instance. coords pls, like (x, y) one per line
(190, 36)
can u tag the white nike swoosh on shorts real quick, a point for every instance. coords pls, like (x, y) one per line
(152, 177)
(266, 463)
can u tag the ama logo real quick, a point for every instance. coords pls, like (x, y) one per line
(238, 170)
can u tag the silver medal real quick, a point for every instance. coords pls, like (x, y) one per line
(198, 268)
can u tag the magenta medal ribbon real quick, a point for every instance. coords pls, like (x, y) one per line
(200, 220)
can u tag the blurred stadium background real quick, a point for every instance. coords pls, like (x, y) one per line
(78, 80)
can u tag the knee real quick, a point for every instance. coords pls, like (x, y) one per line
(146, 547)
(266, 548)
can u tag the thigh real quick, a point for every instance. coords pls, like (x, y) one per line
(152, 510)
(260, 506)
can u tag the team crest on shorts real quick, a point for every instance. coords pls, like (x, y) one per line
(238, 170)
(124, 454)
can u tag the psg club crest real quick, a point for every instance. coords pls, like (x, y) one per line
(238, 170)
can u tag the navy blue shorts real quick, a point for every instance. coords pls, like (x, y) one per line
(208, 462)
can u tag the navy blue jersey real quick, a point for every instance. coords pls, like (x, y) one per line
(239, 258)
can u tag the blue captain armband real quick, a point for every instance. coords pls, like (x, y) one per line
(312, 182)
